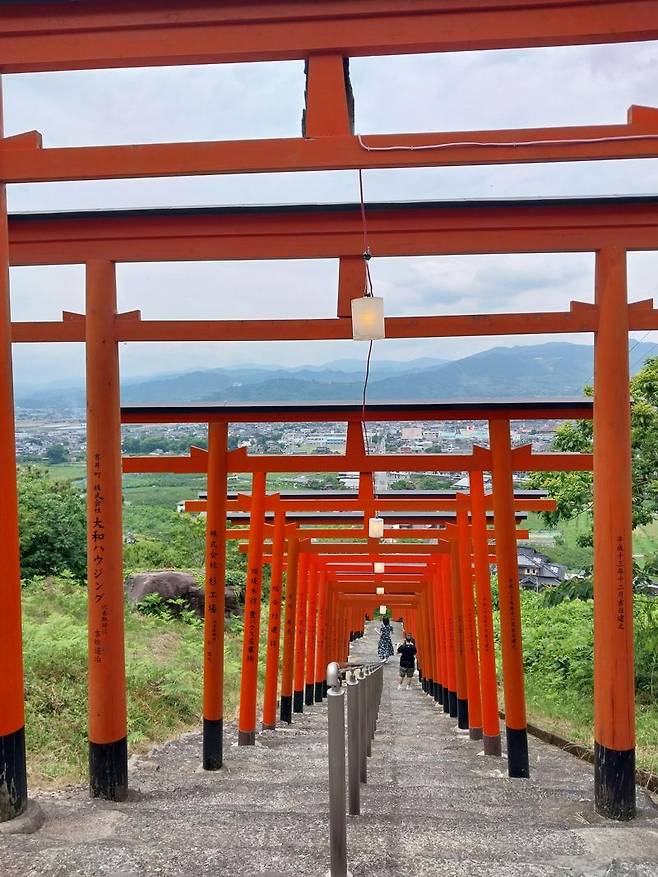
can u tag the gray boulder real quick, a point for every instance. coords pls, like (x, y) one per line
(170, 584)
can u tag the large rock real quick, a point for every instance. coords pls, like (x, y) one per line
(170, 584)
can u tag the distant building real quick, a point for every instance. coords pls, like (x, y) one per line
(536, 570)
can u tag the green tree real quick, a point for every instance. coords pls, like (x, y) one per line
(57, 453)
(52, 526)
(403, 484)
(573, 490)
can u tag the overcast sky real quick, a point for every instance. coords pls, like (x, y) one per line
(462, 91)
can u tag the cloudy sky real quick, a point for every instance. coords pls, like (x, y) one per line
(536, 87)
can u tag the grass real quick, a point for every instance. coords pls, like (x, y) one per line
(164, 664)
(571, 716)
(567, 550)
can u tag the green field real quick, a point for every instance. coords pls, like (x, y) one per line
(566, 549)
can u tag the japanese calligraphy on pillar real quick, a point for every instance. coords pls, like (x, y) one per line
(98, 556)
(211, 602)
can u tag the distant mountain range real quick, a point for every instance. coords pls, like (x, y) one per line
(553, 370)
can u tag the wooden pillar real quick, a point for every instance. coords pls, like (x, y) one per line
(287, 662)
(614, 682)
(311, 625)
(458, 633)
(213, 628)
(13, 776)
(108, 746)
(321, 639)
(468, 615)
(487, 642)
(274, 624)
(510, 603)
(250, 643)
(300, 635)
(449, 703)
(435, 584)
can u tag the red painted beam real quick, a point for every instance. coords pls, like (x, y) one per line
(60, 35)
(310, 232)
(636, 139)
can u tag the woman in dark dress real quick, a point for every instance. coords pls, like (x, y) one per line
(385, 645)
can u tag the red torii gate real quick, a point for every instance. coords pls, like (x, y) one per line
(501, 460)
(58, 35)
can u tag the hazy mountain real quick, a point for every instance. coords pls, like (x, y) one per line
(553, 370)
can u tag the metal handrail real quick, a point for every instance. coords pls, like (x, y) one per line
(363, 699)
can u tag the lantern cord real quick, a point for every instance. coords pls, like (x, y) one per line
(367, 291)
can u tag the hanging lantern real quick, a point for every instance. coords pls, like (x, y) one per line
(380, 591)
(382, 610)
(376, 528)
(368, 318)
(379, 567)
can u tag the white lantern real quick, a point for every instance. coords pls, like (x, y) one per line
(376, 528)
(379, 567)
(382, 610)
(368, 318)
(380, 591)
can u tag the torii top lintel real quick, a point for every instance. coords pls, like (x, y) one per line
(328, 412)
(60, 35)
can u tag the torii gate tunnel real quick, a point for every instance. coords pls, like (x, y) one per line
(59, 35)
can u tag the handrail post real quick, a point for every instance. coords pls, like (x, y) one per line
(336, 753)
(363, 727)
(353, 746)
(371, 712)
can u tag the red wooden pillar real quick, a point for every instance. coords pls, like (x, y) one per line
(311, 624)
(12, 710)
(108, 727)
(449, 703)
(300, 634)
(468, 610)
(510, 603)
(250, 643)
(440, 631)
(614, 682)
(274, 624)
(487, 642)
(213, 630)
(287, 663)
(321, 641)
(458, 634)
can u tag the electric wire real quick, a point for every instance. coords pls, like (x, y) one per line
(367, 291)
(506, 144)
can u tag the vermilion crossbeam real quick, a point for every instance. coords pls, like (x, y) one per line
(638, 138)
(60, 35)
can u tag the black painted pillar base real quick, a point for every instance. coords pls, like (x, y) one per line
(614, 782)
(246, 738)
(462, 714)
(298, 701)
(268, 727)
(13, 775)
(452, 704)
(438, 692)
(308, 695)
(475, 733)
(213, 748)
(318, 692)
(325, 688)
(518, 764)
(286, 709)
(108, 770)
(492, 745)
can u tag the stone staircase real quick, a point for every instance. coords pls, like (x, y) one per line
(433, 805)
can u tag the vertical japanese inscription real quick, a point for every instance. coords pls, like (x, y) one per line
(98, 557)
(211, 605)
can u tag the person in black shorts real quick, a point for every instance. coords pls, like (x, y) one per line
(407, 653)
